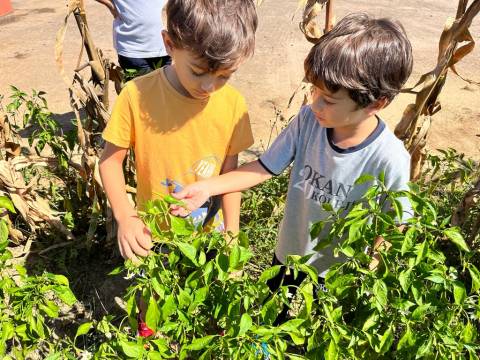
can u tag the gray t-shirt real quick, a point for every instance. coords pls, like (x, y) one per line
(137, 32)
(324, 173)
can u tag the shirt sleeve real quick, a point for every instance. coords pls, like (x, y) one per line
(242, 137)
(282, 152)
(120, 128)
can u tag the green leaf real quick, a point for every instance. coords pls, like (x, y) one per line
(425, 349)
(189, 251)
(475, 274)
(386, 341)
(380, 291)
(468, 333)
(200, 343)
(117, 270)
(223, 262)
(421, 252)
(436, 278)
(50, 309)
(327, 207)
(355, 230)
(310, 270)
(83, 329)
(409, 240)
(171, 200)
(323, 243)
(307, 292)
(6, 203)
(60, 279)
(169, 307)
(245, 324)
(292, 325)
(234, 258)
(371, 321)
(132, 350)
(269, 273)
(406, 340)
(3, 235)
(152, 317)
(459, 292)
(243, 239)
(332, 352)
(181, 226)
(364, 178)
(420, 312)
(65, 294)
(316, 229)
(405, 280)
(456, 237)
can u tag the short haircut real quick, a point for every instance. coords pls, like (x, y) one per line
(370, 58)
(221, 32)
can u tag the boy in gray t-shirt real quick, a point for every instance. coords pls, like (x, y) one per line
(356, 70)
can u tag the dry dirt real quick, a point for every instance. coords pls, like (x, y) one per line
(267, 80)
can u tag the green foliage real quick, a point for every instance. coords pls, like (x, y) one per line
(413, 305)
(193, 301)
(262, 210)
(46, 130)
(445, 180)
(27, 303)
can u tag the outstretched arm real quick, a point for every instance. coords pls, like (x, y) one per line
(245, 177)
(133, 237)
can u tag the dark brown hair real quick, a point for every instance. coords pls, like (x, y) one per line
(370, 58)
(218, 31)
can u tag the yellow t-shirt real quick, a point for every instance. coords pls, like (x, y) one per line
(177, 140)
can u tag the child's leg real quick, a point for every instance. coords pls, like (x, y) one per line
(283, 279)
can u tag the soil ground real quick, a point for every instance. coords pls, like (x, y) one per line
(27, 38)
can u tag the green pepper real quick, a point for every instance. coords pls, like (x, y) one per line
(171, 200)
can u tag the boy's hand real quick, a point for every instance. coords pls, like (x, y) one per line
(133, 237)
(193, 196)
(111, 6)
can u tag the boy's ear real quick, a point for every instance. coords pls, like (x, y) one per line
(167, 40)
(376, 106)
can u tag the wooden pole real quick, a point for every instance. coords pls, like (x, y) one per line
(329, 16)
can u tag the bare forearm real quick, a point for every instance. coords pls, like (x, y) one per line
(113, 181)
(245, 177)
(231, 211)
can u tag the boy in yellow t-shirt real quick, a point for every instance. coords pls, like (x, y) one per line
(182, 121)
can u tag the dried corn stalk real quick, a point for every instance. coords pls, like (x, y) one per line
(90, 94)
(470, 201)
(34, 209)
(309, 25)
(416, 120)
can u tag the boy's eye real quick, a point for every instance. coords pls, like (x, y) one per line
(198, 73)
(327, 102)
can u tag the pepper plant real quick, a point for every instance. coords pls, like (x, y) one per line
(28, 303)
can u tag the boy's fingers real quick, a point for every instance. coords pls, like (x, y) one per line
(128, 254)
(180, 195)
(122, 251)
(145, 240)
(181, 212)
(137, 248)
